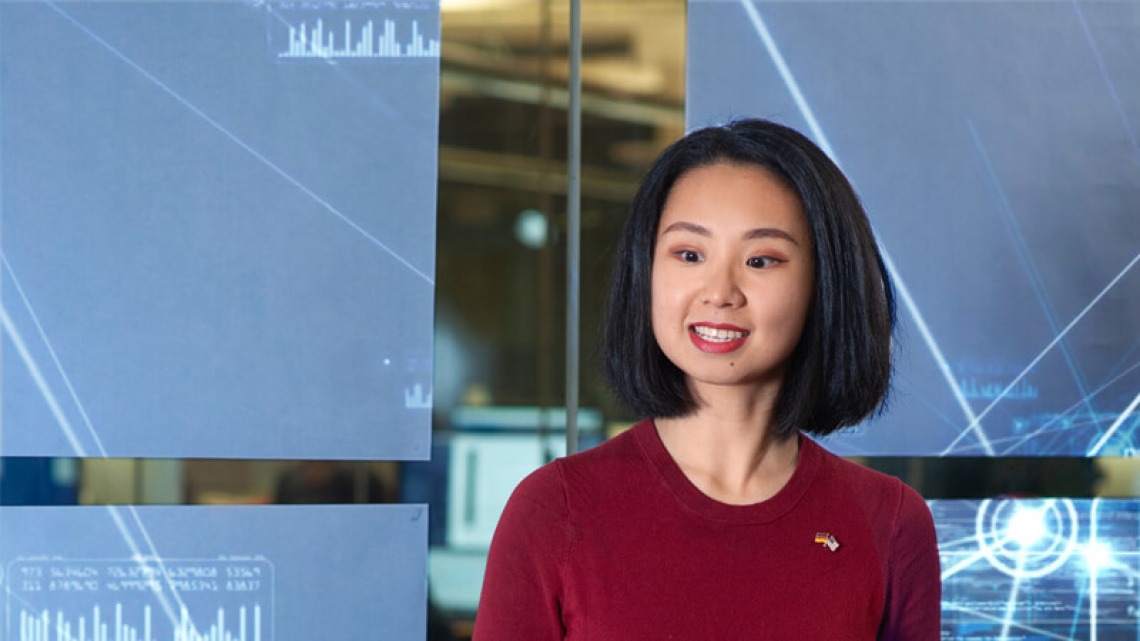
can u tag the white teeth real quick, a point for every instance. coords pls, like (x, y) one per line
(717, 335)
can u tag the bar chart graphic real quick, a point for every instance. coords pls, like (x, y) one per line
(213, 573)
(319, 42)
(146, 599)
(48, 626)
(326, 31)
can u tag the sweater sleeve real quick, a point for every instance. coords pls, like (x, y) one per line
(914, 588)
(523, 584)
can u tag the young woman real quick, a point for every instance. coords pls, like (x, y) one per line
(749, 307)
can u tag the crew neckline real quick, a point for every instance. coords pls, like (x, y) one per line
(704, 505)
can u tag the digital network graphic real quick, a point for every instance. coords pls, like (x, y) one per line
(995, 147)
(217, 243)
(1039, 569)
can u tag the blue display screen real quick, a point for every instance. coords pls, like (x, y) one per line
(217, 573)
(1039, 569)
(995, 148)
(218, 228)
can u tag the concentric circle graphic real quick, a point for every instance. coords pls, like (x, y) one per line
(1026, 539)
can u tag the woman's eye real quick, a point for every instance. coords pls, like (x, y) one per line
(761, 262)
(689, 256)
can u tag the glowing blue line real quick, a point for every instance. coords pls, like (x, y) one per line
(1107, 79)
(54, 356)
(945, 546)
(915, 393)
(1124, 569)
(962, 565)
(1011, 604)
(786, 75)
(1044, 428)
(1115, 425)
(161, 564)
(1123, 359)
(1075, 619)
(1092, 570)
(1030, 267)
(138, 558)
(1044, 352)
(33, 369)
(960, 436)
(239, 142)
(38, 378)
(987, 616)
(900, 285)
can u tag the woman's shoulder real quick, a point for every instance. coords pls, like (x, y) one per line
(597, 466)
(882, 496)
(903, 529)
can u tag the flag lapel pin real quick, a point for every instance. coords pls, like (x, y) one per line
(828, 541)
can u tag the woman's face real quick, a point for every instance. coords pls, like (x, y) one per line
(732, 275)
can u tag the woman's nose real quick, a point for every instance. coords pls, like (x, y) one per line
(722, 288)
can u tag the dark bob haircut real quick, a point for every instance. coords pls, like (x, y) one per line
(839, 372)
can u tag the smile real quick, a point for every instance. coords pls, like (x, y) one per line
(715, 335)
(717, 340)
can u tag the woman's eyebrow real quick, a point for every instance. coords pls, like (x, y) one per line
(770, 232)
(761, 232)
(689, 227)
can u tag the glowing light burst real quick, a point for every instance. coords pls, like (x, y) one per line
(1027, 539)
(1039, 569)
(1097, 555)
(1027, 526)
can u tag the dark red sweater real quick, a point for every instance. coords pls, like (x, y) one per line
(615, 544)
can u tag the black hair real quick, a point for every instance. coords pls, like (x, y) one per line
(840, 370)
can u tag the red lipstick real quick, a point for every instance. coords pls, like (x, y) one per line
(711, 338)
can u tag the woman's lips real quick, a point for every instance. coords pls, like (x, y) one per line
(717, 338)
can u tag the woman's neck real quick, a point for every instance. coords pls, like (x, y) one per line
(728, 447)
